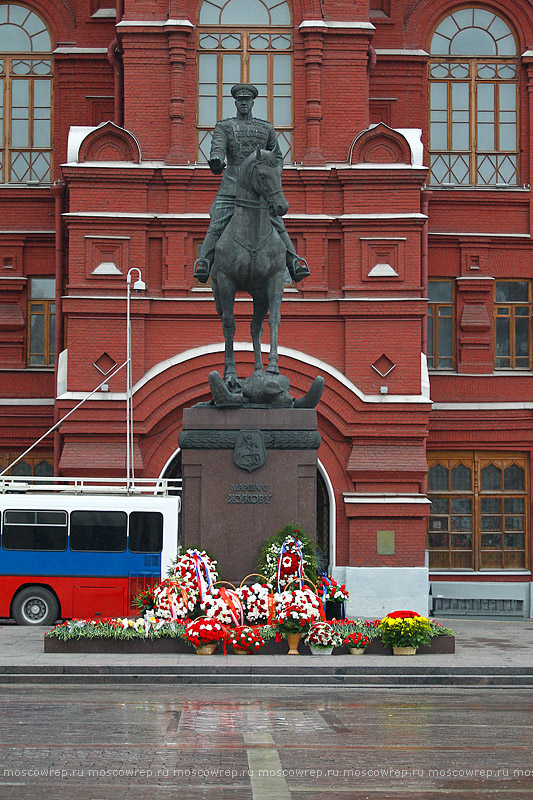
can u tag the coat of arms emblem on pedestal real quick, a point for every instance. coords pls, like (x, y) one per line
(250, 451)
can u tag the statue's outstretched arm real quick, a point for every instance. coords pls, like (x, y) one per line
(219, 145)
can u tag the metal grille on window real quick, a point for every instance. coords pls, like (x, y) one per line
(258, 50)
(473, 114)
(478, 510)
(25, 96)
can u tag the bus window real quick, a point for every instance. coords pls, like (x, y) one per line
(103, 531)
(35, 530)
(146, 532)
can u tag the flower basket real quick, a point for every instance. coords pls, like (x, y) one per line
(357, 651)
(206, 649)
(257, 602)
(403, 651)
(320, 651)
(252, 575)
(322, 638)
(245, 639)
(410, 631)
(356, 642)
(203, 631)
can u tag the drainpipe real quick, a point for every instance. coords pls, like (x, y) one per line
(57, 193)
(424, 250)
(113, 57)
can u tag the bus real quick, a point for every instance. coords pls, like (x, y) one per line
(83, 548)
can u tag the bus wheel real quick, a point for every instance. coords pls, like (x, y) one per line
(35, 606)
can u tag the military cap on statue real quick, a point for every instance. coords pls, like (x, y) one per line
(244, 89)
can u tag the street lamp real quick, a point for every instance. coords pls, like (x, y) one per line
(139, 286)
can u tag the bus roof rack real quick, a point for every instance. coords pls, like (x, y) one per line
(119, 486)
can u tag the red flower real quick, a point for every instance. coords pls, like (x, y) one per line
(402, 614)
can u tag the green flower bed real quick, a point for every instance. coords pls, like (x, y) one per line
(114, 629)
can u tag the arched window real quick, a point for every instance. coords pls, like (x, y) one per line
(25, 96)
(473, 75)
(244, 41)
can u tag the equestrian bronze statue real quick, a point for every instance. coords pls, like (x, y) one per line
(247, 248)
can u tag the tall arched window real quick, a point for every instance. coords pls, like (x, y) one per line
(473, 75)
(244, 41)
(25, 96)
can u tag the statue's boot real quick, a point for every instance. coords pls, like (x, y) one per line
(222, 396)
(311, 399)
(298, 267)
(202, 268)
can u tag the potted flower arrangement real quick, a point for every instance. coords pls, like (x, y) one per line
(356, 642)
(404, 631)
(322, 638)
(204, 635)
(245, 639)
(295, 613)
(333, 595)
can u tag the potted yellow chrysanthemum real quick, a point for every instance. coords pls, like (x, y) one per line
(404, 631)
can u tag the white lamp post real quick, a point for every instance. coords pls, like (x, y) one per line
(139, 286)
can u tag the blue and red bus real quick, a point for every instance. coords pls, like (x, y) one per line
(83, 555)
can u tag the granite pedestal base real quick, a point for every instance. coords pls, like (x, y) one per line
(247, 472)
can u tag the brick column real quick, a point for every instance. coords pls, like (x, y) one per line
(313, 43)
(177, 43)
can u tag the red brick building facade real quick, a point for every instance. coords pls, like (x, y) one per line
(406, 130)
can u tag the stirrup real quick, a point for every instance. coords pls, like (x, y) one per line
(301, 269)
(201, 270)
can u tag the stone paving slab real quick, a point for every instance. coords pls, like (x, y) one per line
(263, 743)
(488, 653)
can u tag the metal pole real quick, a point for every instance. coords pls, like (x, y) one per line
(128, 378)
(139, 285)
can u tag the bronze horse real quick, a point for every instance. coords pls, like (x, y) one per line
(250, 256)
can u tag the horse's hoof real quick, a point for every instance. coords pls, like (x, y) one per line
(273, 369)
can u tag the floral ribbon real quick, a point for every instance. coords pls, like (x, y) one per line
(300, 564)
(321, 610)
(205, 585)
(271, 608)
(233, 603)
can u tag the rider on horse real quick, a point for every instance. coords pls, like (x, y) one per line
(233, 140)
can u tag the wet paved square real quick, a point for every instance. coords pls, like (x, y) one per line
(264, 743)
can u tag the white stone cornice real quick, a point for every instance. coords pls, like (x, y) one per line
(335, 25)
(385, 498)
(155, 23)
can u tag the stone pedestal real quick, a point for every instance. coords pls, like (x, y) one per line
(246, 473)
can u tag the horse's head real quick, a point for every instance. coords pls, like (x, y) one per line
(266, 181)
